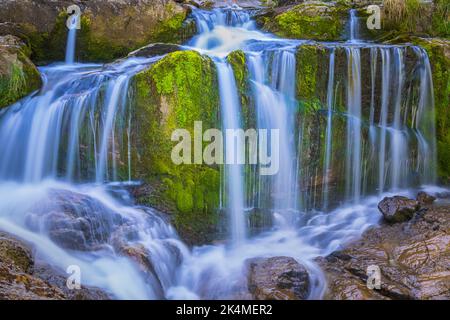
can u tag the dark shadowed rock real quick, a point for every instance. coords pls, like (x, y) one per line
(413, 257)
(277, 278)
(73, 220)
(155, 49)
(398, 209)
(425, 198)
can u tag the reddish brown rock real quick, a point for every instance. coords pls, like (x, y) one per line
(413, 257)
(277, 278)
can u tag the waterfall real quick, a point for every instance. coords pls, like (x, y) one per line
(368, 130)
(72, 39)
(353, 25)
(233, 170)
(275, 105)
(353, 161)
(328, 150)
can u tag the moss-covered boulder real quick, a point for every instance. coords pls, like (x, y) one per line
(109, 29)
(172, 94)
(310, 20)
(18, 75)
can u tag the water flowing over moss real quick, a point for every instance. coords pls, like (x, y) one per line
(439, 54)
(176, 91)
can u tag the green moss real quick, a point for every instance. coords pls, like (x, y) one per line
(308, 71)
(20, 79)
(237, 60)
(176, 91)
(309, 21)
(438, 53)
(104, 39)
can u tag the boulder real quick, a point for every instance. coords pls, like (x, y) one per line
(398, 208)
(309, 20)
(18, 75)
(74, 221)
(425, 198)
(109, 29)
(277, 278)
(413, 259)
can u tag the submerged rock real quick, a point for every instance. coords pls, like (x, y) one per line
(18, 75)
(413, 258)
(398, 208)
(277, 278)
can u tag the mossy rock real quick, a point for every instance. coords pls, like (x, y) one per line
(18, 75)
(109, 30)
(175, 92)
(439, 54)
(312, 20)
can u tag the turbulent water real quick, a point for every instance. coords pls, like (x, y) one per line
(74, 136)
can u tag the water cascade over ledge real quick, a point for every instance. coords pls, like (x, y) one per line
(364, 129)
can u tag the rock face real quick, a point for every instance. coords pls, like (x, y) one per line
(74, 221)
(18, 75)
(109, 29)
(413, 257)
(21, 278)
(310, 20)
(398, 209)
(175, 92)
(277, 278)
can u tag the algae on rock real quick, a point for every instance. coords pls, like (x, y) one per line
(172, 94)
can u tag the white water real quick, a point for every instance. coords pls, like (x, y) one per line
(230, 108)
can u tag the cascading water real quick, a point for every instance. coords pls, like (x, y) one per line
(77, 129)
(233, 170)
(353, 25)
(72, 39)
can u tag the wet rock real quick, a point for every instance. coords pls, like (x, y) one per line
(155, 49)
(398, 208)
(141, 256)
(18, 75)
(425, 198)
(73, 220)
(21, 278)
(58, 279)
(413, 259)
(277, 278)
(14, 252)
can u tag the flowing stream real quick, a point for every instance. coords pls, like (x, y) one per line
(71, 140)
